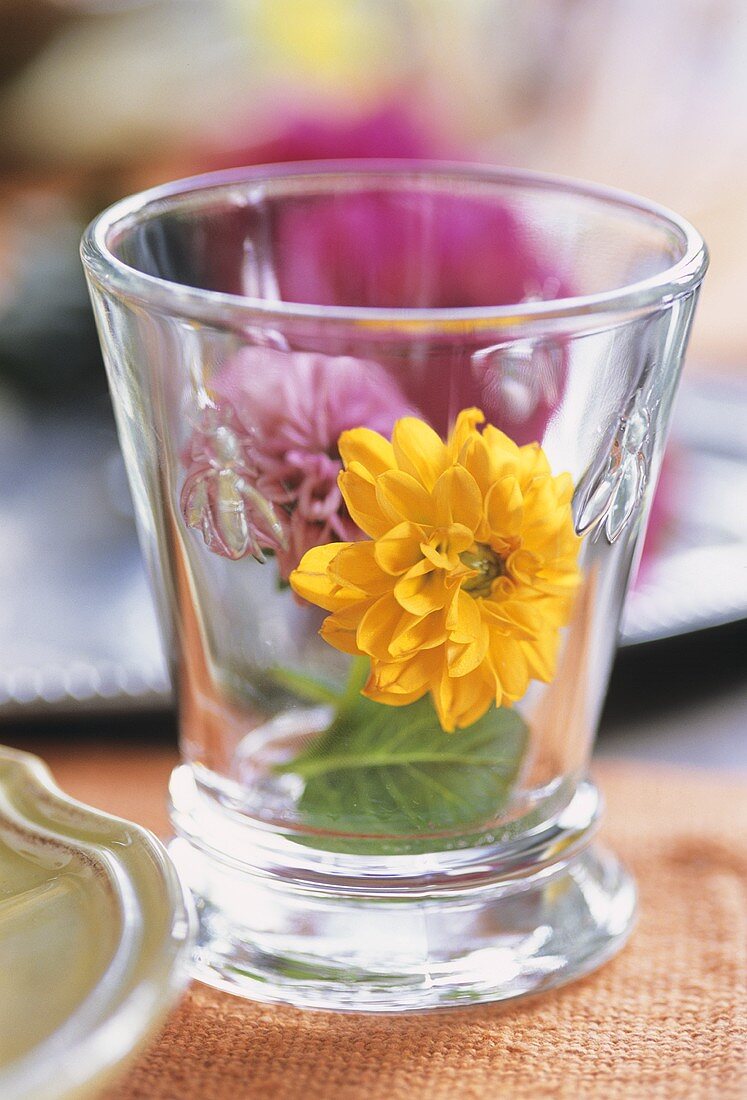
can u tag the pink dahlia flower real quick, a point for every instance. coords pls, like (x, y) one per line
(285, 412)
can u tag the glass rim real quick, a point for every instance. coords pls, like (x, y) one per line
(115, 276)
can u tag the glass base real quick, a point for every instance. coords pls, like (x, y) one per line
(552, 908)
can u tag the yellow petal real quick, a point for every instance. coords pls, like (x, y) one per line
(465, 658)
(421, 590)
(559, 584)
(412, 674)
(523, 566)
(359, 493)
(367, 447)
(541, 655)
(465, 426)
(564, 488)
(392, 698)
(475, 458)
(444, 545)
(402, 497)
(419, 451)
(443, 697)
(462, 701)
(413, 634)
(377, 627)
(460, 538)
(543, 510)
(399, 550)
(504, 507)
(339, 629)
(472, 697)
(355, 567)
(382, 686)
(458, 498)
(532, 461)
(552, 544)
(469, 635)
(502, 449)
(463, 615)
(312, 580)
(517, 617)
(510, 667)
(440, 559)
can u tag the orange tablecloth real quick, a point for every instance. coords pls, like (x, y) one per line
(666, 1019)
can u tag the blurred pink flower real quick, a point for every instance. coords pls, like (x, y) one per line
(388, 129)
(287, 411)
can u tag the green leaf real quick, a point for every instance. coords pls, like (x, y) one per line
(386, 772)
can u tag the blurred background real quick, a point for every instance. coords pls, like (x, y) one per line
(99, 98)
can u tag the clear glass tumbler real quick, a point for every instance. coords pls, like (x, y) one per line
(392, 430)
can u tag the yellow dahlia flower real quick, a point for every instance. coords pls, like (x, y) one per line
(467, 576)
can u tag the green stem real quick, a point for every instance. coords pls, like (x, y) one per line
(315, 691)
(357, 677)
(308, 769)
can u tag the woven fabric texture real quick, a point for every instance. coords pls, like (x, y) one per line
(666, 1019)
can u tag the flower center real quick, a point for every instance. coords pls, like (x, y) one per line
(487, 564)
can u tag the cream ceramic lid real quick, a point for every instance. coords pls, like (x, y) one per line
(94, 925)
